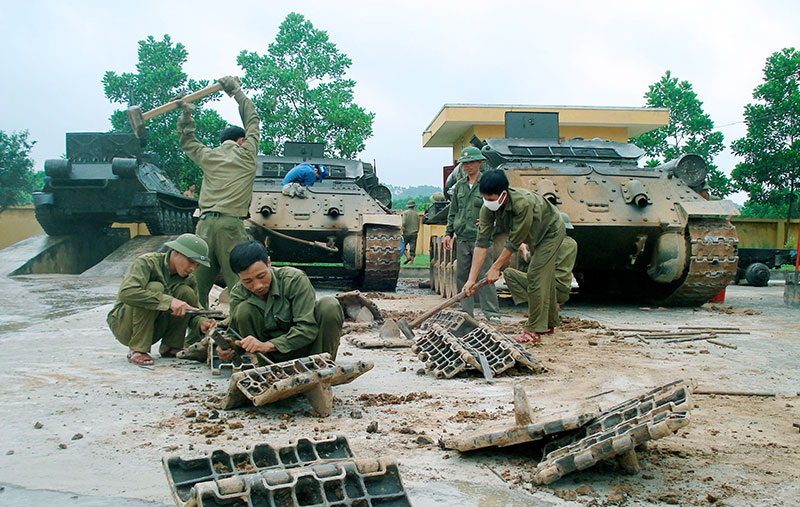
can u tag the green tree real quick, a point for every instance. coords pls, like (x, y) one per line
(770, 173)
(17, 179)
(301, 93)
(690, 130)
(159, 77)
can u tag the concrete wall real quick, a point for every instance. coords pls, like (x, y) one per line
(764, 232)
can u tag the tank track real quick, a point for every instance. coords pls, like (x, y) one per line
(712, 264)
(382, 259)
(167, 220)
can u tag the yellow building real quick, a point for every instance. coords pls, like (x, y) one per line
(455, 124)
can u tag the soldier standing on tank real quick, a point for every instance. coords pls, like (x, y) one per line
(156, 292)
(276, 310)
(228, 174)
(565, 260)
(527, 218)
(462, 221)
(410, 231)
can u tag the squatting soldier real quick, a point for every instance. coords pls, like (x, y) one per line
(528, 218)
(156, 292)
(410, 231)
(228, 174)
(462, 220)
(276, 310)
(565, 260)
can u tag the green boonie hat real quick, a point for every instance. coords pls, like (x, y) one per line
(565, 218)
(193, 247)
(411, 204)
(470, 154)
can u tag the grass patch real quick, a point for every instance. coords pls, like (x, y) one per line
(420, 261)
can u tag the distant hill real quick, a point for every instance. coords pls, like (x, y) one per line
(414, 192)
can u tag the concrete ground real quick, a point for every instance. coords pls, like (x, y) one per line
(81, 426)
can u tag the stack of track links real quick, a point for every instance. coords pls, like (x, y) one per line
(313, 376)
(584, 435)
(305, 472)
(454, 342)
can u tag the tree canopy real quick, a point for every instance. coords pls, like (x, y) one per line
(159, 77)
(301, 93)
(690, 130)
(770, 173)
(17, 179)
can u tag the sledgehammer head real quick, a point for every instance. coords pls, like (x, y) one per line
(137, 122)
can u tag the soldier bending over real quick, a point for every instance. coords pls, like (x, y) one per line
(155, 293)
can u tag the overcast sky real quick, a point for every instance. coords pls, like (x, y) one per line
(409, 58)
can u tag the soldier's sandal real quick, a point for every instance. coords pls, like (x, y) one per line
(140, 358)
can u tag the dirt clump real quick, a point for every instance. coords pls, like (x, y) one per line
(373, 400)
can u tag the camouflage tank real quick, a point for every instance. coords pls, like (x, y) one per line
(343, 229)
(643, 232)
(106, 178)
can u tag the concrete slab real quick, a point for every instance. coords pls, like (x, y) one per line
(115, 264)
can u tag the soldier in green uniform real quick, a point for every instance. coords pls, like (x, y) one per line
(462, 221)
(156, 292)
(276, 310)
(410, 231)
(565, 260)
(228, 174)
(527, 218)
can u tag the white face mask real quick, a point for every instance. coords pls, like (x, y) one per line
(494, 205)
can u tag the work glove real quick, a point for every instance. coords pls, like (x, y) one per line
(230, 84)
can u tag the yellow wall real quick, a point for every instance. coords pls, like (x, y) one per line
(764, 232)
(17, 224)
(20, 223)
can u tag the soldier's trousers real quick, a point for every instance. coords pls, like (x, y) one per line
(249, 320)
(411, 243)
(221, 233)
(542, 307)
(139, 328)
(517, 280)
(487, 295)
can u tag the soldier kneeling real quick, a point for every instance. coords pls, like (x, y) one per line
(276, 310)
(156, 291)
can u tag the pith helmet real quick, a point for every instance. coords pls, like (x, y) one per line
(470, 154)
(192, 247)
(565, 218)
(411, 204)
(438, 197)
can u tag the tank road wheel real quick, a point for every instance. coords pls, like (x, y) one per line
(155, 220)
(757, 274)
(711, 267)
(382, 258)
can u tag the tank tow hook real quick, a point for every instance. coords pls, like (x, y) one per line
(641, 239)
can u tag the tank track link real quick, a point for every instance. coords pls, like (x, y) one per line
(712, 264)
(164, 219)
(656, 414)
(382, 258)
(458, 323)
(312, 375)
(184, 474)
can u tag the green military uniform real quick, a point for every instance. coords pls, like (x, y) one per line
(565, 260)
(411, 230)
(290, 317)
(140, 316)
(462, 220)
(228, 174)
(529, 218)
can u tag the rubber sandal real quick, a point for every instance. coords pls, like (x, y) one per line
(140, 358)
(550, 330)
(168, 352)
(526, 336)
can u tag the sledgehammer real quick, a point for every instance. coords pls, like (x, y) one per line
(137, 118)
(407, 329)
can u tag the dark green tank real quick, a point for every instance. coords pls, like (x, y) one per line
(106, 178)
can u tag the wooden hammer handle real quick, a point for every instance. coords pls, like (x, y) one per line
(455, 299)
(169, 106)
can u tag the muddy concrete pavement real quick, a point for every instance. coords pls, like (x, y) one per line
(81, 426)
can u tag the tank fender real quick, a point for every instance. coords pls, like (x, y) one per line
(42, 199)
(701, 207)
(668, 262)
(381, 219)
(633, 192)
